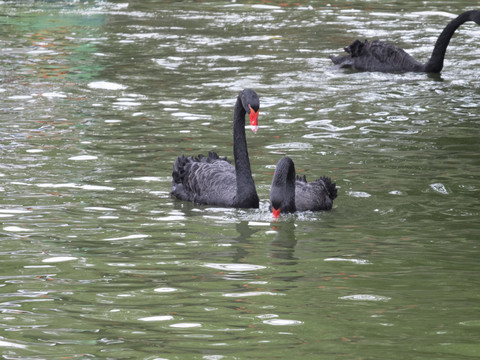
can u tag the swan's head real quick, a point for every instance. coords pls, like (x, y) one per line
(476, 16)
(277, 193)
(276, 198)
(251, 104)
(282, 192)
(275, 212)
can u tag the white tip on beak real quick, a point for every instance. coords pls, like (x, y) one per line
(254, 128)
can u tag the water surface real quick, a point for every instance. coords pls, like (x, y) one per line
(99, 98)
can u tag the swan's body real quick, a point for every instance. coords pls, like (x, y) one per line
(213, 180)
(380, 56)
(290, 193)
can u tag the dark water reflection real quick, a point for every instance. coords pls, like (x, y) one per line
(99, 98)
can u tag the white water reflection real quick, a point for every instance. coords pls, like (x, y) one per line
(157, 318)
(359, 194)
(16, 229)
(165, 290)
(365, 297)
(14, 211)
(439, 188)
(355, 261)
(248, 294)
(99, 208)
(57, 259)
(9, 344)
(20, 97)
(128, 237)
(186, 325)
(83, 158)
(54, 95)
(75, 186)
(282, 322)
(290, 146)
(234, 267)
(106, 85)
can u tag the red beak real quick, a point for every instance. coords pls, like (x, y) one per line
(254, 119)
(276, 213)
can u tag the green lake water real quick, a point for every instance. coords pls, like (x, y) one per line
(98, 98)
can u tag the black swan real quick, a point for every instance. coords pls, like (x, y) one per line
(290, 193)
(384, 57)
(213, 180)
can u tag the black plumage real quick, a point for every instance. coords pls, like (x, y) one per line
(212, 180)
(384, 57)
(290, 193)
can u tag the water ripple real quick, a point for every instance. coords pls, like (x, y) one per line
(106, 85)
(157, 318)
(252, 293)
(57, 259)
(365, 297)
(128, 237)
(355, 261)
(13, 345)
(234, 267)
(282, 322)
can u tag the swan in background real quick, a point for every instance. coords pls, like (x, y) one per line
(290, 193)
(380, 56)
(212, 180)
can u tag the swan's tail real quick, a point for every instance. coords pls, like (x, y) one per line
(327, 183)
(356, 48)
(330, 187)
(302, 178)
(178, 172)
(212, 157)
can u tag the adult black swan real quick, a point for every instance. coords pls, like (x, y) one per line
(290, 193)
(213, 180)
(384, 57)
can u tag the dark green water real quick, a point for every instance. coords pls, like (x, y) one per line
(97, 261)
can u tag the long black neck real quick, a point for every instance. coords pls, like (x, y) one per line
(282, 192)
(435, 64)
(246, 196)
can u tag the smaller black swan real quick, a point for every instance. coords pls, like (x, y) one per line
(380, 56)
(290, 193)
(213, 180)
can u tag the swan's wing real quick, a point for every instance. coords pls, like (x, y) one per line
(316, 195)
(377, 56)
(204, 180)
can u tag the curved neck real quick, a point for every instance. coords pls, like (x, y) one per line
(435, 64)
(283, 185)
(245, 185)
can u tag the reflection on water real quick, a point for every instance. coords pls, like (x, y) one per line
(283, 245)
(99, 98)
